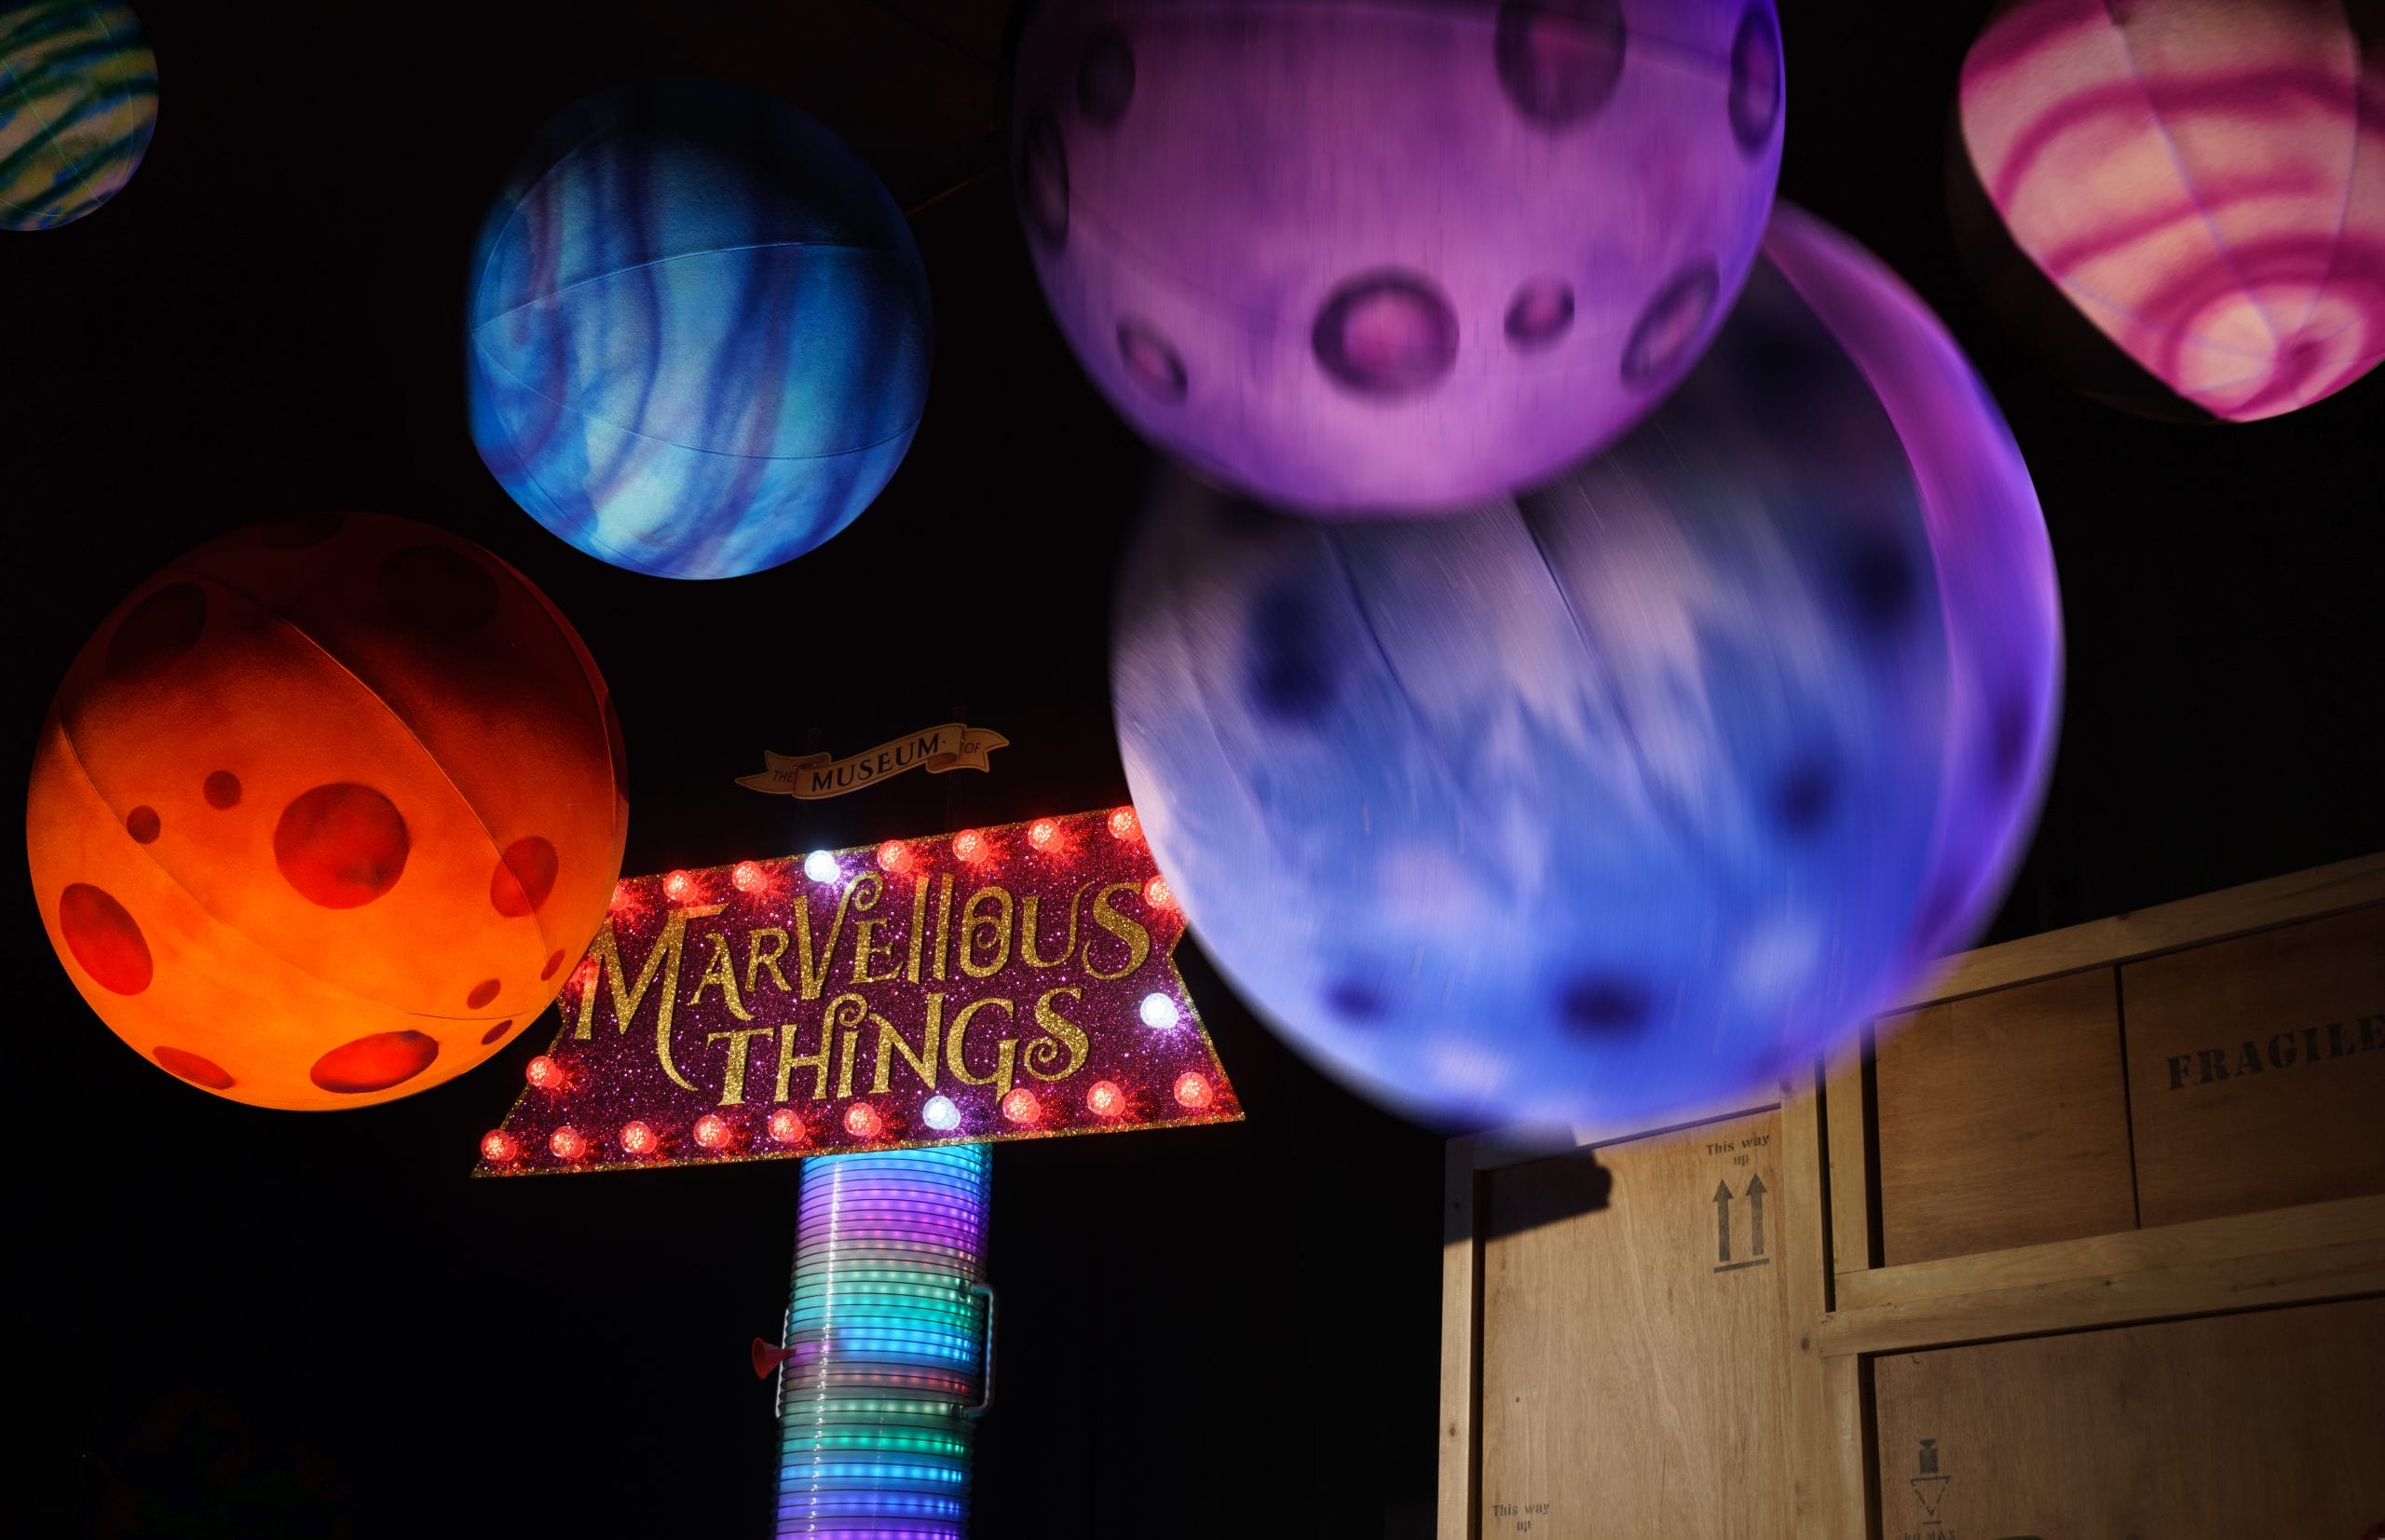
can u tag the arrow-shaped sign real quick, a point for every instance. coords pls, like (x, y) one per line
(1755, 1213)
(1721, 1221)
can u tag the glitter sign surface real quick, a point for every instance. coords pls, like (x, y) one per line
(1005, 982)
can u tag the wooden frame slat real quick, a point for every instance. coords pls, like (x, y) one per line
(1461, 1334)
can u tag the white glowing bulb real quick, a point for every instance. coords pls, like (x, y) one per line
(820, 866)
(940, 1114)
(1159, 1011)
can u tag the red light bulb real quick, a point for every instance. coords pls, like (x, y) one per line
(622, 899)
(678, 885)
(638, 1138)
(1123, 823)
(1041, 833)
(749, 876)
(786, 1126)
(893, 857)
(1157, 894)
(711, 1131)
(544, 1073)
(567, 1143)
(968, 845)
(1193, 1090)
(1020, 1106)
(498, 1146)
(863, 1121)
(1106, 1100)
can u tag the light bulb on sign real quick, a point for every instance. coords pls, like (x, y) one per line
(1157, 894)
(638, 1138)
(1123, 823)
(678, 885)
(968, 845)
(711, 1131)
(1106, 1100)
(820, 866)
(1042, 833)
(940, 1114)
(1020, 1106)
(786, 1126)
(749, 876)
(567, 1143)
(1159, 1011)
(1193, 1091)
(863, 1121)
(498, 1146)
(544, 1073)
(893, 857)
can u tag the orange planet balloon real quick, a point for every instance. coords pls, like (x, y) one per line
(324, 812)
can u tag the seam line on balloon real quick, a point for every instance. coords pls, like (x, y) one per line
(912, 426)
(547, 942)
(2177, 164)
(534, 300)
(2343, 210)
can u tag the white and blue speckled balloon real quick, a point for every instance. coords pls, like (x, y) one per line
(699, 331)
(1614, 798)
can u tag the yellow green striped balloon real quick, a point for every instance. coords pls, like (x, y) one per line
(78, 102)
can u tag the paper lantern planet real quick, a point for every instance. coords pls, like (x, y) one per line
(2203, 179)
(78, 102)
(1352, 258)
(697, 331)
(324, 812)
(1619, 797)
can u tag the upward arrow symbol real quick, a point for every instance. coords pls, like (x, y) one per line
(1755, 1214)
(1721, 1221)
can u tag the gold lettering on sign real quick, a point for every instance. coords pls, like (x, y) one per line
(847, 1012)
(1125, 927)
(943, 918)
(866, 951)
(789, 1061)
(814, 976)
(971, 921)
(918, 925)
(721, 970)
(732, 1081)
(1044, 1050)
(956, 1046)
(922, 1063)
(1026, 932)
(756, 959)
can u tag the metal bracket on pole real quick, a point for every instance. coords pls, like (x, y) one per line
(986, 1397)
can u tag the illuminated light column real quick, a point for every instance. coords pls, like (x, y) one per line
(886, 1346)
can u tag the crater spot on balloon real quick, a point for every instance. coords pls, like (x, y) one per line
(341, 845)
(297, 531)
(497, 1032)
(1881, 586)
(438, 590)
(1804, 797)
(198, 1070)
(1386, 334)
(156, 631)
(1540, 314)
(1604, 1004)
(1150, 359)
(221, 789)
(553, 963)
(483, 992)
(1043, 180)
(105, 938)
(1106, 78)
(1663, 335)
(1560, 61)
(1355, 1001)
(144, 824)
(1755, 78)
(375, 1063)
(524, 878)
(1290, 672)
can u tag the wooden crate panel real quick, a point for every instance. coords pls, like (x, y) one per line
(2259, 1426)
(1635, 1358)
(2256, 1070)
(2003, 1121)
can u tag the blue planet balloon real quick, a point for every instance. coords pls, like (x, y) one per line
(699, 331)
(1619, 797)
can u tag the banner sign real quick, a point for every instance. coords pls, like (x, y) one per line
(1005, 982)
(935, 750)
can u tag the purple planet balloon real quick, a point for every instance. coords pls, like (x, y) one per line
(1616, 798)
(1363, 258)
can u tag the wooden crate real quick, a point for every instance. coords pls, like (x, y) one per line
(2005, 1225)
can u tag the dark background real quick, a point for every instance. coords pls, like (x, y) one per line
(228, 1321)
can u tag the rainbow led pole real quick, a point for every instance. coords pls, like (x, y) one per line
(885, 1345)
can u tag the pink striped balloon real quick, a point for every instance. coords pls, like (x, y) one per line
(2204, 179)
